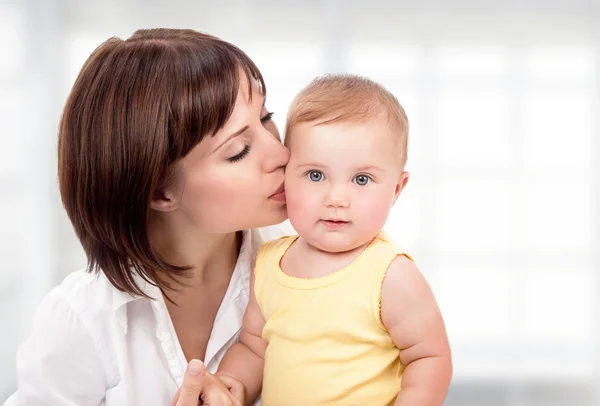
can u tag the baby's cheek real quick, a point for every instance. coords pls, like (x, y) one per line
(299, 206)
(376, 211)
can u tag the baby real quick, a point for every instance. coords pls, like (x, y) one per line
(338, 314)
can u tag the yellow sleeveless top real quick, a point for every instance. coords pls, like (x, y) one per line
(326, 342)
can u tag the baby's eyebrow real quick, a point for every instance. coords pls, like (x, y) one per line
(368, 168)
(312, 165)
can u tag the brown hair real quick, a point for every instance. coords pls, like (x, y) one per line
(347, 98)
(137, 107)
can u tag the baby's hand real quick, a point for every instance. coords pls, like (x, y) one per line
(236, 388)
(203, 388)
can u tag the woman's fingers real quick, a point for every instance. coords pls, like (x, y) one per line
(176, 398)
(214, 391)
(193, 385)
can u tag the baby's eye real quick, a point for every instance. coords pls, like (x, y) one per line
(362, 180)
(315, 176)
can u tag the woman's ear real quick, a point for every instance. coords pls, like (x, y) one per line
(402, 181)
(164, 200)
(166, 197)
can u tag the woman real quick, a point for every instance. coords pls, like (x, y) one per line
(168, 163)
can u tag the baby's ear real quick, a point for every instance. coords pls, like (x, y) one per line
(402, 181)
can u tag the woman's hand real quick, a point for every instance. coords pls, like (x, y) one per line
(202, 388)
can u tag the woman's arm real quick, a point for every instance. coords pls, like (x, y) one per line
(411, 315)
(245, 360)
(59, 363)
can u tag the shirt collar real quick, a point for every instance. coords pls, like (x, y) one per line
(121, 299)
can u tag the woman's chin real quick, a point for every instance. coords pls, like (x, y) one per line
(281, 216)
(274, 218)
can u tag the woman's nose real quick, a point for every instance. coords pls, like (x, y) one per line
(277, 155)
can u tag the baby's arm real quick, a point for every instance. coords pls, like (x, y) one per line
(410, 314)
(245, 360)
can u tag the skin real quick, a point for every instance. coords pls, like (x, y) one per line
(227, 183)
(341, 182)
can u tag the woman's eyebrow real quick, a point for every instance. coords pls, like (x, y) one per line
(235, 134)
(238, 132)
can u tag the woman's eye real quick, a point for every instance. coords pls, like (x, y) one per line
(315, 176)
(241, 155)
(267, 117)
(362, 180)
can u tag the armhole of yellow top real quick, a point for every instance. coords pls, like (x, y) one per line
(259, 264)
(256, 271)
(260, 256)
(378, 279)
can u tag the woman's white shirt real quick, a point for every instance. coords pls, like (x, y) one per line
(94, 345)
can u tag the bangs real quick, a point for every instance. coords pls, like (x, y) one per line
(204, 99)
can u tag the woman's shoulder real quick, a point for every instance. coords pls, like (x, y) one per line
(85, 289)
(68, 341)
(83, 296)
(85, 302)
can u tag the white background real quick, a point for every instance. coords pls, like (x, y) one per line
(501, 211)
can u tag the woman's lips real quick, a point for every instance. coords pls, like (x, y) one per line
(279, 194)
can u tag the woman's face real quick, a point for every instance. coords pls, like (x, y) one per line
(234, 180)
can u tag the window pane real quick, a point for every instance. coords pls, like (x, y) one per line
(469, 62)
(14, 208)
(555, 214)
(558, 304)
(13, 158)
(384, 61)
(570, 64)
(405, 223)
(286, 59)
(557, 127)
(473, 129)
(11, 41)
(474, 215)
(477, 302)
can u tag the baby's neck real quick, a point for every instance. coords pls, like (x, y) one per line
(338, 252)
(304, 260)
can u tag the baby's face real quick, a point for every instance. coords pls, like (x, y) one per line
(341, 182)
